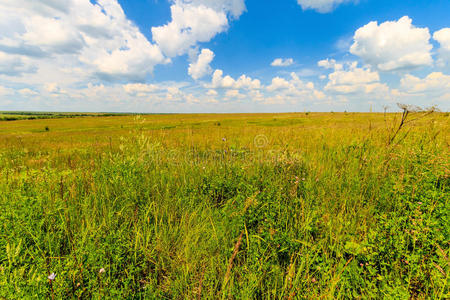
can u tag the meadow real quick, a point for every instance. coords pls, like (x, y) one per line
(230, 206)
(23, 115)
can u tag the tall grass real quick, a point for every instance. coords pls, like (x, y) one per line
(294, 207)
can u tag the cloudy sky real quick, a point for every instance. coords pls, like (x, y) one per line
(223, 55)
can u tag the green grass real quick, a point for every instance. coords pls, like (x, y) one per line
(225, 206)
(22, 115)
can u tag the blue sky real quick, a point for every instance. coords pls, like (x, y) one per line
(223, 55)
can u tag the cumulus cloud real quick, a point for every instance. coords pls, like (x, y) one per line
(279, 91)
(278, 83)
(201, 67)
(433, 89)
(434, 83)
(351, 79)
(322, 6)
(116, 47)
(243, 82)
(140, 89)
(174, 94)
(195, 21)
(97, 37)
(190, 25)
(330, 64)
(291, 90)
(393, 45)
(294, 84)
(234, 8)
(443, 37)
(52, 35)
(233, 94)
(282, 62)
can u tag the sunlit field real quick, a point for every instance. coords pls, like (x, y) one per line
(235, 206)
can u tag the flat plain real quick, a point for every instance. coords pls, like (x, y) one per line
(298, 205)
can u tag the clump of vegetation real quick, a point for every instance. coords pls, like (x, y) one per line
(166, 212)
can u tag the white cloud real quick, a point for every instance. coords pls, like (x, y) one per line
(350, 79)
(280, 91)
(14, 65)
(52, 35)
(218, 81)
(234, 94)
(245, 82)
(278, 83)
(434, 89)
(53, 88)
(195, 21)
(443, 37)
(227, 82)
(330, 64)
(234, 8)
(393, 45)
(212, 93)
(140, 89)
(133, 61)
(293, 90)
(322, 6)
(201, 67)
(27, 92)
(353, 76)
(256, 96)
(115, 46)
(435, 82)
(282, 62)
(294, 84)
(58, 35)
(174, 94)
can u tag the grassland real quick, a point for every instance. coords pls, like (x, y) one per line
(20, 115)
(295, 206)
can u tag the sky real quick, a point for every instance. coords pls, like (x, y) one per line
(182, 56)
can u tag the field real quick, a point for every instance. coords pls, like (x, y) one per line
(304, 205)
(19, 115)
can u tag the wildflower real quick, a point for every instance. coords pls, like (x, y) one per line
(361, 264)
(313, 279)
(224, 139)
(51, 277)
(102, 270)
